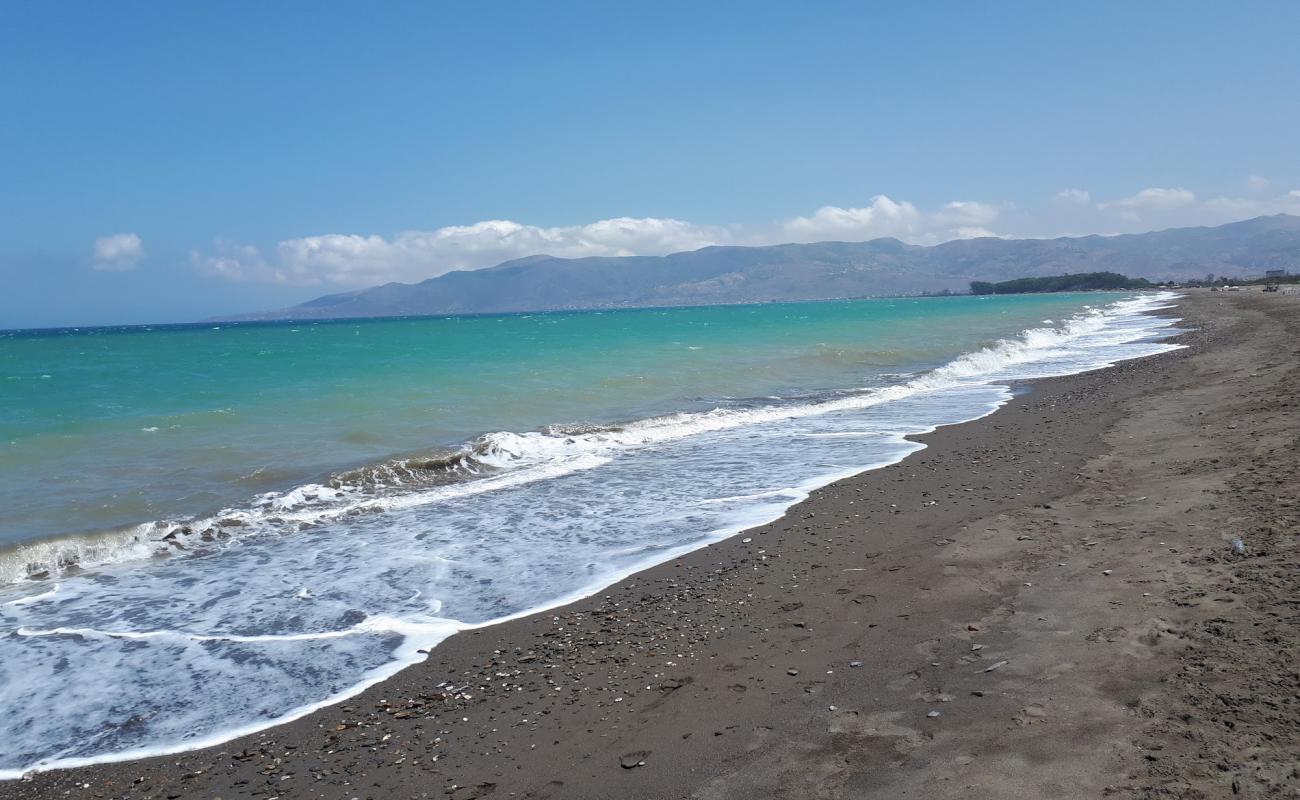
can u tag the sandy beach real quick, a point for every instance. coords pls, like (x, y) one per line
(1046, 602)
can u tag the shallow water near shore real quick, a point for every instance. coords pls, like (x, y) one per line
(642, 435)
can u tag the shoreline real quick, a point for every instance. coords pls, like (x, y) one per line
(424, 637)
(603, 664)
(325, 495)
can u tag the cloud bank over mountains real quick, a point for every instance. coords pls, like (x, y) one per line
(352, 260)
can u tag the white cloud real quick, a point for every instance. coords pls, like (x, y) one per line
(883, 217)
(235, 262)
(355, 260)
(347, 259)
(1226, 209)
(968, 214)
(118, 253)
(1154, 199)
(1154, 204)
(363, 260)
(1258, 184)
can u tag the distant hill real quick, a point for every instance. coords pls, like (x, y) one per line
(1078, 282)
(815, 271)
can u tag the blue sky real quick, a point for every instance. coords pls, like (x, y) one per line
(172, 161)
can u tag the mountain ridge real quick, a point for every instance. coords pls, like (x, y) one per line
(720, 274)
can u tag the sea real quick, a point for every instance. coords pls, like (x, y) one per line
(206, 530)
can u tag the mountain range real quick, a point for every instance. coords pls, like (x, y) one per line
(880, 267)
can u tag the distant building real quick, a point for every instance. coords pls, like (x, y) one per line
(1275, 273)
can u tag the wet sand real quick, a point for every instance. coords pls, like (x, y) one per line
(1042, 603)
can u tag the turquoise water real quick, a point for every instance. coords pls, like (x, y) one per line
(110, 427)
(208, 529)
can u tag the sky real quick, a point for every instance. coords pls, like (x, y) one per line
(173, 161)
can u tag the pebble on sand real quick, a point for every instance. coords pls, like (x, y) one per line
(634, 759)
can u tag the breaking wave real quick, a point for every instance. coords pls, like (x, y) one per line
(507, 458)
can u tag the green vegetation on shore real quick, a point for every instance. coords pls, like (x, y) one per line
(1078, 282)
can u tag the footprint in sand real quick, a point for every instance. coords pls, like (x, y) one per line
(881, 725)
(1030, 714)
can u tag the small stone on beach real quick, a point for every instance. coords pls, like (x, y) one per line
(634, 759)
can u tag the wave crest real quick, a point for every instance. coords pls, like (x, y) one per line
(505, 458)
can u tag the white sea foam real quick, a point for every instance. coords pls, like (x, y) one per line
(32, 598)
(309, 596)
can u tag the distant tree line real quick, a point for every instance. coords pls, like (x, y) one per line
(1078, 282)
